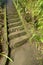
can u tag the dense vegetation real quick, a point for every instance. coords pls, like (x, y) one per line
(32, 12)
(2, 3)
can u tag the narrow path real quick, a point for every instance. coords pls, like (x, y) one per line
(17, 36)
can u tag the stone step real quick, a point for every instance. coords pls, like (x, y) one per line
(16, 34)
(18, 41)
(15, 25)
(12, 12)
(22, 42)
(14, 29)
(12, 8)
(13, 16)
(13, 20)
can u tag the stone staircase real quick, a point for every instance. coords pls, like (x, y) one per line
(16, 31)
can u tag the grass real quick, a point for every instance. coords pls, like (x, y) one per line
(4, 55)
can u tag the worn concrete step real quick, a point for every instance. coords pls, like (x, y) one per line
(16, 18)
(14, 29)
(13, 20)
(22, 42)
(15, 25)
(16, 34)
(9, 24)
(12, 12)
(8, 14)
(18, 41)
(13, 16)
(11, 8)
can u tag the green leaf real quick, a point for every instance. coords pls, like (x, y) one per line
(41, 39)
(2, 54)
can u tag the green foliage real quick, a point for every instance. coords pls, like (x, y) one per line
(3, 54)
(2, 3)
(35, 10)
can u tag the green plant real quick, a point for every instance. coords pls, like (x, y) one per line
(35, 10)
(3, 54)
